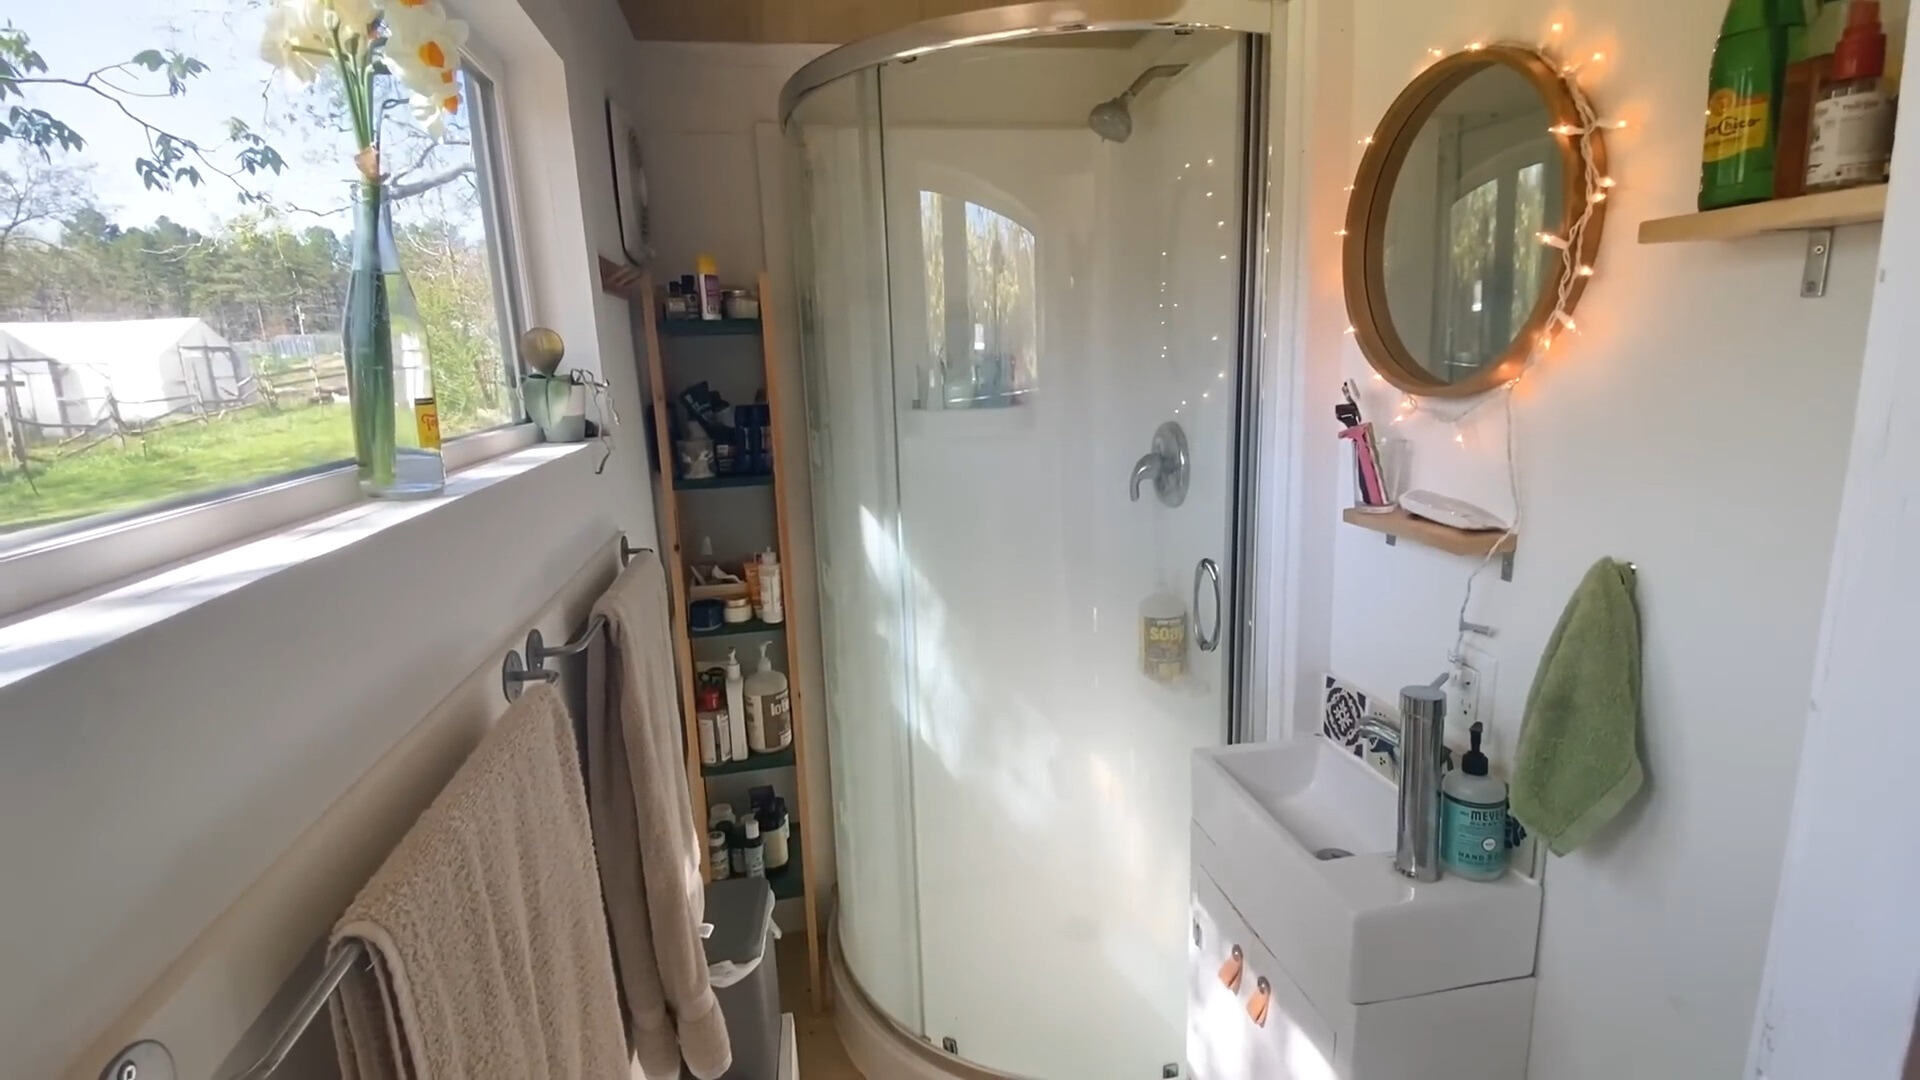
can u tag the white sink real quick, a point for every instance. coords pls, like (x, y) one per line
(1270, 821)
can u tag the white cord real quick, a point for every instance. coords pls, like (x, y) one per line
(1570, 245)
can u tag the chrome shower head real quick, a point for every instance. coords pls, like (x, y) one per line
(1112, 120)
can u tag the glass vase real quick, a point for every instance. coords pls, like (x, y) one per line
(396, 421)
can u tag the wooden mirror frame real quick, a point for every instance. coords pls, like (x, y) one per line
(1362, 256)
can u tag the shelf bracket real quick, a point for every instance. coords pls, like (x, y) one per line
(1506, 566)
(1813, 276)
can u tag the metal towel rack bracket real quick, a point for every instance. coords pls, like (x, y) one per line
(517, 669)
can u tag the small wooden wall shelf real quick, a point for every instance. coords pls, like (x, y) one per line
(1400, 525)
(1826, 210)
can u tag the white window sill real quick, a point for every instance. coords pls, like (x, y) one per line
(35, 644)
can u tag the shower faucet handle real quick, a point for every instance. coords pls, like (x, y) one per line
(1165, 464)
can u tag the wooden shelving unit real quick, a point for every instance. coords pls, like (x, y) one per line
(1401, 525)
(1854, 206)
(637, 287)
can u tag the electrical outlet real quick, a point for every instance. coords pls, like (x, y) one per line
(1471, 690)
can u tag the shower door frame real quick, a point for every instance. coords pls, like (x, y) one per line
(1261, 493)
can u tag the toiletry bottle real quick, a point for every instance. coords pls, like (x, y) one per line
(753, 849)
(1797, 87)
(717, 855)
(1743, 90)
(769, 709)
(737, 850)
(707, 282)
(1853, 110)
(709, 713)
(770, 607)
(1163, 636)
(736, 706)
(1473, 817)
(750, 570)
(774, 828)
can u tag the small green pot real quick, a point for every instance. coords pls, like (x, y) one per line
(557, 406)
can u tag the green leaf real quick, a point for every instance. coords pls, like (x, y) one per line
(151, 59)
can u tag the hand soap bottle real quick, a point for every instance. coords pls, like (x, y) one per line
(1473, 818)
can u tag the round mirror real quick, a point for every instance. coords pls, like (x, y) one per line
(1448, 283)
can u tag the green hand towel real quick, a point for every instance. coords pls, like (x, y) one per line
(1579, 757)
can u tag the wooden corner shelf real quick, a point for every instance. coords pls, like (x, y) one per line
(1401, 525)
(1829, 209)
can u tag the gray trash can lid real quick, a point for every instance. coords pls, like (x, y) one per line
(740, 910)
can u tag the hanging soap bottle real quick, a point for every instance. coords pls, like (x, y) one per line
(1163, 636)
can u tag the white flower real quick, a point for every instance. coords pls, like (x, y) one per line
(432, 113)
(296, 39)
(423, 47)
(301, 36)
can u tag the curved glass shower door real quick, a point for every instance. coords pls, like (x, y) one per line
(1020, 310)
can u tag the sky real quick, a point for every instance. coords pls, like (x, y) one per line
(77, 36)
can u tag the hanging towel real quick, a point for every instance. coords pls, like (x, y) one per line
(488, 946)
(1579, 757)
(644, 830)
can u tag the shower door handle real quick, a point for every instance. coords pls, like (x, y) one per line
(1208, 570)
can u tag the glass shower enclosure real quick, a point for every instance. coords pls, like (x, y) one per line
(1024, 266)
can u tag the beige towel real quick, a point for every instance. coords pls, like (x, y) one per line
(489, 944)
(644, 830)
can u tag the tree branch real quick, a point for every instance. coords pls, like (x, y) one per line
(439, 179)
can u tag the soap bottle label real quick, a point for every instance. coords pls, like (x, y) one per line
(1474, 836)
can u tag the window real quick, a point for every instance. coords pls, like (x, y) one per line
(983, 322)
(166, 338)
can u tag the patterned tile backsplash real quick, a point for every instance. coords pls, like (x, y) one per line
(1348, 707)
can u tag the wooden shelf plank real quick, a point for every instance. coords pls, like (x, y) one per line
(710, 327)
(1826, 210)
(1482, 542)
(735, 629)
(712, 483)
(754, 763)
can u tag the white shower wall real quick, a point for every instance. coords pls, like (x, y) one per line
(1011, 790)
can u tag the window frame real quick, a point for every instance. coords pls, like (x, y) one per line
(67, 563)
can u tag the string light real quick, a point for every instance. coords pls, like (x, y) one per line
(1583, 129)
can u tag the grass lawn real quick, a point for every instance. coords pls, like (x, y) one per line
(234, 449)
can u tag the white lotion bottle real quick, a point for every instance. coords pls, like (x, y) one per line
(769, 708)
(736, 706)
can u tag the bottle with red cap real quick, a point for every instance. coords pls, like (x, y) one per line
(1853, 110)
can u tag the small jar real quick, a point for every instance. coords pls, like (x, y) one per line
(711, 718)
(739, 609)
(717, 855)
(739, 304)
(774, 831)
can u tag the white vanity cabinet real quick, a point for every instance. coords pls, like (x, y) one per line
(1346, 971)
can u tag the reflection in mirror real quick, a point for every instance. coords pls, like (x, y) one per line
(1463, 265)
(983, 324)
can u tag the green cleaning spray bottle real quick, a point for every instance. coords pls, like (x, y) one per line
(1743, 101)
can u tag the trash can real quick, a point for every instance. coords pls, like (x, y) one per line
(745, 975)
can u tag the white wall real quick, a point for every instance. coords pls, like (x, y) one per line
(1698, 428)
(1843, 970)
(145, 784)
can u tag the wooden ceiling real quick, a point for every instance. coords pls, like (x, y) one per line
(766, 22)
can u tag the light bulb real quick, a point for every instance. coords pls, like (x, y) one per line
(1551, 240)
(1607, 181)
(1557, 28)
(1350, 330)
(1435, 53)
(1459, 439)
(1475, 46)
(1368, 141)
(1209, 161)
(1339, 232)
(1586, 271)
(1599, 58)
(1596, 196)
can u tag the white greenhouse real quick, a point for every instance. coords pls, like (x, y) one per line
(62, 378)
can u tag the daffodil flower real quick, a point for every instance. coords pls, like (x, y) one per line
(421, 46)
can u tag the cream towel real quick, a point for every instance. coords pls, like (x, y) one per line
(644, 830)
(488, 942)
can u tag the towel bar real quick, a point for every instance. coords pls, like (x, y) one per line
(516, 672)
(149, 1060)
